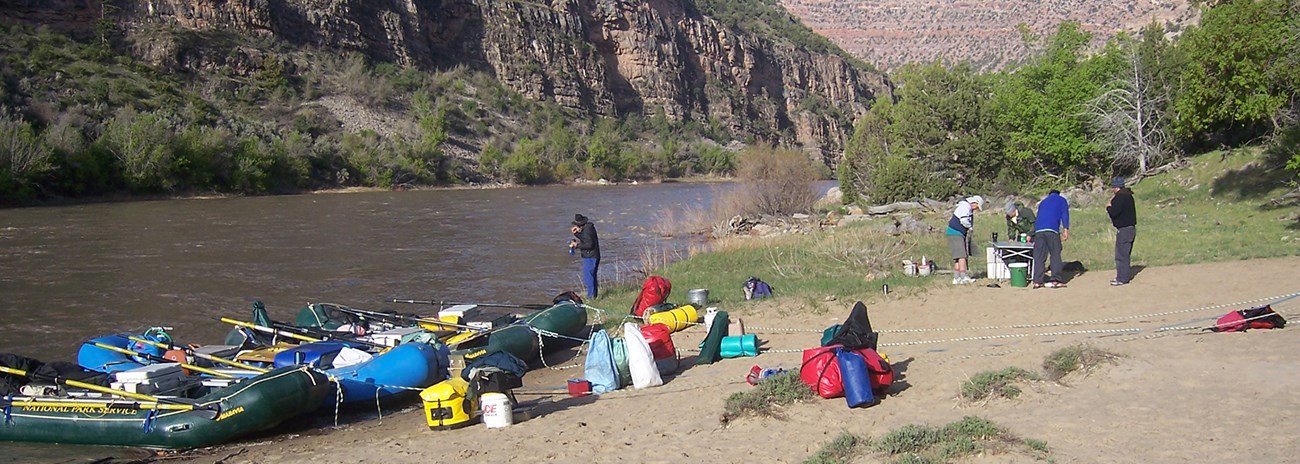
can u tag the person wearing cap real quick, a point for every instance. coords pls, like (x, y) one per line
(1123, 215)
(588, 245)
(1020, 219)
(959, 232)
(1051, 229)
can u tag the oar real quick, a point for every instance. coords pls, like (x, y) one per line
(206, 356)
(324, 334)
(215, 409)
(269, 330)
(400, 317)
(452, 303)
(159, 359)
(96, 404)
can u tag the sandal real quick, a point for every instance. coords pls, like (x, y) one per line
(1038, 285)
(1054, 285)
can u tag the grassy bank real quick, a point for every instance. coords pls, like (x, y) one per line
(1220, 207)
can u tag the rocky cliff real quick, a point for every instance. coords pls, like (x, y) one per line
(894, 32)
(601, 57)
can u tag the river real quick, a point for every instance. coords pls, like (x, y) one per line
(73, 272)
(69, 273)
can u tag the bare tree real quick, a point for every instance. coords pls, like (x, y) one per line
(1130, 119)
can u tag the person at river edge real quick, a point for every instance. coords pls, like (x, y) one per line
(1051, 230)
(1123, 215)
(588, 245)
(960, 226)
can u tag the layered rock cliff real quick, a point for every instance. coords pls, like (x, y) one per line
(601, 57)
(986, 33)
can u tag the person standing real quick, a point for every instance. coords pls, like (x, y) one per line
(588, 245)
(960, 226)
(1051, 229)
(1123, 215)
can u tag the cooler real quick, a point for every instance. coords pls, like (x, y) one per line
(997, 269)
(149, 379)
(394, 337)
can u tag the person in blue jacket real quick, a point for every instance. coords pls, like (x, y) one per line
(1051, 230)
(587, 244)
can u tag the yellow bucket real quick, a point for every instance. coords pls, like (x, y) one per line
(678, 319)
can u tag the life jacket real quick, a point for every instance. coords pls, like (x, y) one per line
(654, 291)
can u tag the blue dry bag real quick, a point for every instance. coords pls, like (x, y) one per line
(856, 378)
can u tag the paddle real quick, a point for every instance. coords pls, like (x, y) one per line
(214, 409)
(158, 359)
(206, 356)
(450, 303)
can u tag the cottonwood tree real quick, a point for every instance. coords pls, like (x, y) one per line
(1129, 116)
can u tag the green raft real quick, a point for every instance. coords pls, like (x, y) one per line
(253, 404)
(526, 337)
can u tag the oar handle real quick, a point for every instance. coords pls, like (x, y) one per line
(206, 356)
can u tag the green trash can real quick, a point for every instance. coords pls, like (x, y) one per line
(1019, 274)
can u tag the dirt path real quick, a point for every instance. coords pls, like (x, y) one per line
(1173, 397)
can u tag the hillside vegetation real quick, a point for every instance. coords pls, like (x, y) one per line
(1067, 116)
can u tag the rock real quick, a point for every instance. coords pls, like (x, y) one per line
(894, 207)
(833, 195)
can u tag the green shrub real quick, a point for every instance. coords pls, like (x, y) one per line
(1073, 358)
(926, 444)
(995, 383)
(764, 398)
(841, 449)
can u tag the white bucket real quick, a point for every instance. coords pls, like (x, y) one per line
(909, 268)
(497, 412)
(698, 297)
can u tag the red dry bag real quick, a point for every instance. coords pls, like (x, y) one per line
(654, 291)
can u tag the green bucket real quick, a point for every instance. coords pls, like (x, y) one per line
(1019, 274)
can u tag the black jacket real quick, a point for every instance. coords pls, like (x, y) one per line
(588, 242)
(1122, 211)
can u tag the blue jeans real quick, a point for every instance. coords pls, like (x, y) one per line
(589, 267)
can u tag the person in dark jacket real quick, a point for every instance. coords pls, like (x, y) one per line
(1020, 220)
(1123, 215)
(1051, 229)
(588, 245)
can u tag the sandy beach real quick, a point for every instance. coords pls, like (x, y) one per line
(1173, 396)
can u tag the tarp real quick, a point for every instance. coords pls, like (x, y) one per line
(711, 347)
(855, 332)
(599, 368)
